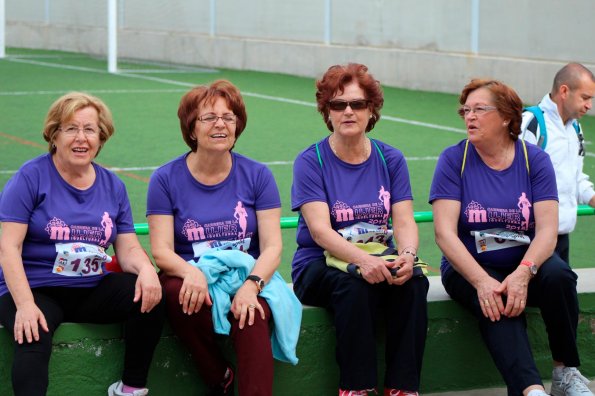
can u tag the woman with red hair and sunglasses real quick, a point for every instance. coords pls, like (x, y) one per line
(346, 188)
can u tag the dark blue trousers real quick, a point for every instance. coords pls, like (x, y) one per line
(355, 305)
(553, 291)
(563, 247)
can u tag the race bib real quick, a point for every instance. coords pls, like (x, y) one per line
(79, 259)
(203, 247)
(498, 238)
(364, 233)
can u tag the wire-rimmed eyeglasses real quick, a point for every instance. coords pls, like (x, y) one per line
(464, 111)
(73, 130)
(211, 118)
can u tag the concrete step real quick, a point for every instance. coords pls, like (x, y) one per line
(455, 359)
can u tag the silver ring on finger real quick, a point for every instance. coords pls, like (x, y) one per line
(251, 306)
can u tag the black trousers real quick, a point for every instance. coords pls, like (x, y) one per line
(111, 301)
(553, 291)
(355, 305)
(563, 247)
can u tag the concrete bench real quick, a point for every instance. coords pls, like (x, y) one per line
(87, 358)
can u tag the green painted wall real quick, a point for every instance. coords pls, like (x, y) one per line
(87, 358)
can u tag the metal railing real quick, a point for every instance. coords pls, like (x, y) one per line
(420, 217)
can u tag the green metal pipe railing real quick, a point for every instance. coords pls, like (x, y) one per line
(420, 217)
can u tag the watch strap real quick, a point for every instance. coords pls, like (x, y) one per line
(258, 280)
(531, 265)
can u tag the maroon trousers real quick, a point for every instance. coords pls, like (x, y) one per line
(252, 344)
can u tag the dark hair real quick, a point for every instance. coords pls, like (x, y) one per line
(334, 81)
(63, 109)
(506, 100)
(207, 94)
(571, 75)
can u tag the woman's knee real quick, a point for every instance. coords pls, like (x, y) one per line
(556, 272)
(171, 288)
(420, 286)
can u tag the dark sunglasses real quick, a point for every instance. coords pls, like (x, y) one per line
(340, 105)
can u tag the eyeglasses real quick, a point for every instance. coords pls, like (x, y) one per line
(73, 130)
(212, 118)
(340, 105)
(464, 111)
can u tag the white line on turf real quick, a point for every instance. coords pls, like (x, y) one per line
(271, 163)
(130, 74)
(250, 94)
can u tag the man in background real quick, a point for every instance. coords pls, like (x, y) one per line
(570, 99)
(553, 125)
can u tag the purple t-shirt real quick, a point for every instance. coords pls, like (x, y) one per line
(57, 213)
(496, 223)
(222, 216)
(362, 193)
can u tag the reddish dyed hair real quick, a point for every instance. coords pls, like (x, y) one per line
(191, 103)
(506, 100)
(333, 83)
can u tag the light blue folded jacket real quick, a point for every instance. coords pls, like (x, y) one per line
(226, 271)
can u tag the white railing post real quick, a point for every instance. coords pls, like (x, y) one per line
(46, 12)
(327, 21)
(112, 36)
(475, 27)
(213, 15)
(2, 29)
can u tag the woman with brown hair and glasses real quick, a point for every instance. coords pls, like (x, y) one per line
(346, 187)
(214, 219)
(495, 210)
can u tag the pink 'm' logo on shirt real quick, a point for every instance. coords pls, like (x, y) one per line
(58, 229)
(193, 230)
(476, 213)
(342, 211)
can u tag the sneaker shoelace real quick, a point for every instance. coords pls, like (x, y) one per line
(573, 378)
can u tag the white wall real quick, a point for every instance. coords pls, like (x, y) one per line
(418, 44)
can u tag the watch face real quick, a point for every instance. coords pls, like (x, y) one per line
(533, 269)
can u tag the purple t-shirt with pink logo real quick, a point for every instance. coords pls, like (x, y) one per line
(222, 216)
(57, 213)
(362, 193)
(496, 223)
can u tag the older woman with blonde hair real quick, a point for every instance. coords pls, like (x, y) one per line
(60, 213)
(495, 209)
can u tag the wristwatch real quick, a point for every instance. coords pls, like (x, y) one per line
(258, 280)
(531, 265)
